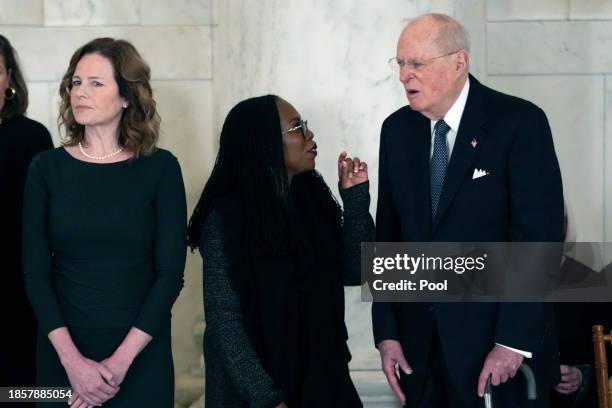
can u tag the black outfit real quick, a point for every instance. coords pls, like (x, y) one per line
(104, 250)
(574, 325)
(275, 325)
(520, 199)
(20, 140)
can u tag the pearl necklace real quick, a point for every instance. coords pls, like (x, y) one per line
(108, 156)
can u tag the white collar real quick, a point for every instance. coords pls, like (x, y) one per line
(453, 116)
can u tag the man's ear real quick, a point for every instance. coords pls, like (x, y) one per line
(462, 61)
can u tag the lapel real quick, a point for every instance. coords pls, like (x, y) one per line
(464, 154)
(410, 157)
(423, 204)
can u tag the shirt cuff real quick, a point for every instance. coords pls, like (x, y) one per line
(526, 354)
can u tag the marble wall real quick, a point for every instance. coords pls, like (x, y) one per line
(329, 58)
(556, 53)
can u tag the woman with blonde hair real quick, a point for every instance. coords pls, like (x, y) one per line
(104, 237)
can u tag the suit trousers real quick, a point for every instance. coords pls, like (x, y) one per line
(439, 391)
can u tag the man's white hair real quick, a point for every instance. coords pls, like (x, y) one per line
(452, 35)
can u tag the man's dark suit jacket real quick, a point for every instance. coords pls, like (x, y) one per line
(520, 200)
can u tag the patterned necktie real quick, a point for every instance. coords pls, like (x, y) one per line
(439, 161)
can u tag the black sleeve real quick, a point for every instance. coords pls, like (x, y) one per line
(224, 323)
(387, 218)
(358, 227)
(536, 215)
(40, 140)
(37, 255)
(536, 191)
(170, 248)
(387, 230)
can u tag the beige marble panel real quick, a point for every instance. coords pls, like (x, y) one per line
(172, 52)
(549, 48)
(590, 10)
(176, 12)
(473, 16)
(373, 389)
(43, 106)
(91, 12)
(186, 111)
(574, 107)
(39, 109)
(361, 339)
(187, 310)
(57, 133)
(214, 11)
(504, 10)
(21, 12)
(175, 52)
(331, 67)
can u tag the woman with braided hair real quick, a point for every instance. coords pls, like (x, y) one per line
(278, 251)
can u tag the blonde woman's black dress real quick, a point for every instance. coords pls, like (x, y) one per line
(104, 250)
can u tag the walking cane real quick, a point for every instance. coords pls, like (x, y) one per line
(529, 380)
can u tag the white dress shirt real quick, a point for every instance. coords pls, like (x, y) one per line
(452, 119)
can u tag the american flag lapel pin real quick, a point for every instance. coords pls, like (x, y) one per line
(474, 143)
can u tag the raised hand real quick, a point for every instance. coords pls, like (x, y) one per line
(351, 171)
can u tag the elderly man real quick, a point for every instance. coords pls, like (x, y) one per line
(463, 163)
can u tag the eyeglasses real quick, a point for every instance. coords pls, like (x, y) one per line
(303, 126)
(397, 64)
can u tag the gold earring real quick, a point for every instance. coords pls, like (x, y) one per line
(9, 93)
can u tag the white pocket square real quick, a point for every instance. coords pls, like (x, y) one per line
(479, 173)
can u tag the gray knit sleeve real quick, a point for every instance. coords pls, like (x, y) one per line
(358, 227)
(224, 324)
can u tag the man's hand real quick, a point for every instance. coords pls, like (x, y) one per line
(571, 380)
(351, 171)
(392, 356)
(502, 364)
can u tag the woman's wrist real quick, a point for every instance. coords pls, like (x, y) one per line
(65, 348)
(69, 357)
(131, 346)
(124, 355)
